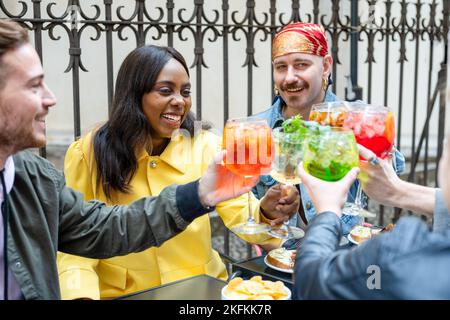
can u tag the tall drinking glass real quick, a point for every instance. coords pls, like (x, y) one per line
(248, 142)
(288, 152)
(374, 129)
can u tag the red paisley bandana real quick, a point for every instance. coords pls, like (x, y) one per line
(300, 37)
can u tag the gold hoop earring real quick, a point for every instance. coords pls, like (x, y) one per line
(275, 90)
(325, 84)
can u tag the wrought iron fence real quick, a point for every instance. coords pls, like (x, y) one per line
(385, 25)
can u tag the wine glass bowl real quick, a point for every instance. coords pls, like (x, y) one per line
(248, 142)
(330, 113)
(330, 154)
(288, 152)
(373, 127)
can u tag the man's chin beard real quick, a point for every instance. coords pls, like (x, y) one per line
(33, 143)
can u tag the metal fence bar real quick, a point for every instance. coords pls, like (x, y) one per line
(109, 53)
(225, 33)
(430, 69)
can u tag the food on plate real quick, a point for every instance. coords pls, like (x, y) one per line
(361, 234)
(282, 258)
(255, 289)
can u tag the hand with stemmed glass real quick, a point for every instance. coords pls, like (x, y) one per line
(248, 142)
(334, 114)
(374, 129)
(329, 154)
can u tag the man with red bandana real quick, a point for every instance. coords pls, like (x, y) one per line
(301, 70)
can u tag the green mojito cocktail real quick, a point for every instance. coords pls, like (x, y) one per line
(330, 153)
(288, 150)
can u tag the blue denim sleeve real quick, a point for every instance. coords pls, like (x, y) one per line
(264, 184)
(441, 218)
(399, 162)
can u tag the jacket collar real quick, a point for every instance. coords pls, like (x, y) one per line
(176, 154)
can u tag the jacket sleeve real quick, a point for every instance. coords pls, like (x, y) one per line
(95, 230)
(322, 271)
(441, 216)
(381, 268)
(77, 275)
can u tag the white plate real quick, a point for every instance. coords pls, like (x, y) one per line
(276, 268)
(224, 297)
(349, 237)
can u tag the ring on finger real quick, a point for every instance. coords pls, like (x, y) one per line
(374, 161)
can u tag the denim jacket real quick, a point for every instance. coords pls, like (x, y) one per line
(274, 117)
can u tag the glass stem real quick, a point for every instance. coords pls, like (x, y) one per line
(250, 218)
(358, 198)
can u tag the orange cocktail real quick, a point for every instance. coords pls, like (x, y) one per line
(329, 113)
(248, 142)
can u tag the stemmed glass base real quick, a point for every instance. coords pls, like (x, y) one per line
(287, 232)
(356, 209)
(352, 209)
(250, 227)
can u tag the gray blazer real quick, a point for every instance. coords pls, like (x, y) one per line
(46, 216)
(411, 262)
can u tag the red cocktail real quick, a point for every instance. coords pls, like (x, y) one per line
(373, 127)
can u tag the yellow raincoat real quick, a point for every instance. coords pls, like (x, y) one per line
(188, 254)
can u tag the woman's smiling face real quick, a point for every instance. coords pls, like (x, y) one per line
(169, 101)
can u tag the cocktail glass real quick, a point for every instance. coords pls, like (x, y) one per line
(330, 113)
(330, 154)
(288, 152)
(248, 142)
(374, 129)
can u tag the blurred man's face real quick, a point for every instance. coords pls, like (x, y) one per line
(24, 100)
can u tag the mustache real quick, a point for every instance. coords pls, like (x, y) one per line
(295, 85)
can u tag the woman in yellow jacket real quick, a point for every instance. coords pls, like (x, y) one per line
(135, 154)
